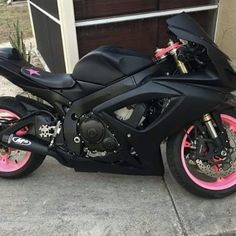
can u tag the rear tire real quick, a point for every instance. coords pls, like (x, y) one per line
(174, 153)
(33, 161)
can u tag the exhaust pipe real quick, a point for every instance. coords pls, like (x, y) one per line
(25, 144)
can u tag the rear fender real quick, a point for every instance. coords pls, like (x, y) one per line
(10, 54)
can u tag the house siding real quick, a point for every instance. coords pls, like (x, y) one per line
(49, 40)
(140, 35)
(49, 6)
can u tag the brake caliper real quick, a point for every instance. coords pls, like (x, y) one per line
(218, 167)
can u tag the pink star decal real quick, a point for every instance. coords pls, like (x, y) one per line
(33, 72)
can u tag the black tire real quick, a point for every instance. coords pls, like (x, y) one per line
(176, 167)
(35, 160)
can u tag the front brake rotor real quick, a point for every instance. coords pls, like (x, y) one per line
(209, 170)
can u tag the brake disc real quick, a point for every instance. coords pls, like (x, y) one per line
(208, 170)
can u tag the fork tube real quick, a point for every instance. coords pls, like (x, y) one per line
(182, 67)
(208, 121)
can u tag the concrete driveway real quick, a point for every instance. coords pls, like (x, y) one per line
(58, 201)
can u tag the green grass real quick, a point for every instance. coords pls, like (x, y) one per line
(10, 15)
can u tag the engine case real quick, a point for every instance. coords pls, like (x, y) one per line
(96, 135)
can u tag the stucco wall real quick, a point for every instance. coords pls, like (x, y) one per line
(226, 30)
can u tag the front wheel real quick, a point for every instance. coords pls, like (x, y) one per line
(207, 175)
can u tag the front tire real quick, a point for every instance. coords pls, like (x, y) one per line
(12, 164)
(177, 161)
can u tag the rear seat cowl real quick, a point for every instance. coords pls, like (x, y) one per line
(10, 54)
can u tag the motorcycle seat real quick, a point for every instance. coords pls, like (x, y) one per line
(47, 79)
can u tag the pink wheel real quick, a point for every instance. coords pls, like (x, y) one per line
(12, 160)
(15, 163)
(204, 177)
(211, 183)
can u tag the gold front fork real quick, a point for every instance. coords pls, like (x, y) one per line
(209, 124)
(181, 66)
(183, 69)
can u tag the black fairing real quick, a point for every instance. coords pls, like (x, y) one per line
(107, 64)
(185, 27)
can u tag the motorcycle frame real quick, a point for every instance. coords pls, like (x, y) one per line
(190, 97)
(187, 97)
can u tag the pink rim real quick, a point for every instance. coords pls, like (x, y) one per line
(7, 165)
(221, 183)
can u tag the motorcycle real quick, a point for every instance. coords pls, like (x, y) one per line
(117, 107)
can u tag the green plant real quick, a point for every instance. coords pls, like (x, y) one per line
(16, 39)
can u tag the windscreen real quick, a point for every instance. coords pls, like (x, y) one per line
(186, 28)
(185, 24)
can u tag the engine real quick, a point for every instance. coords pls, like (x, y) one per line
(97, 138)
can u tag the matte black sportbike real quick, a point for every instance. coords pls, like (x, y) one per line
(113, 112)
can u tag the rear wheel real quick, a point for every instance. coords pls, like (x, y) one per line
(212, 177)
(15, 163)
